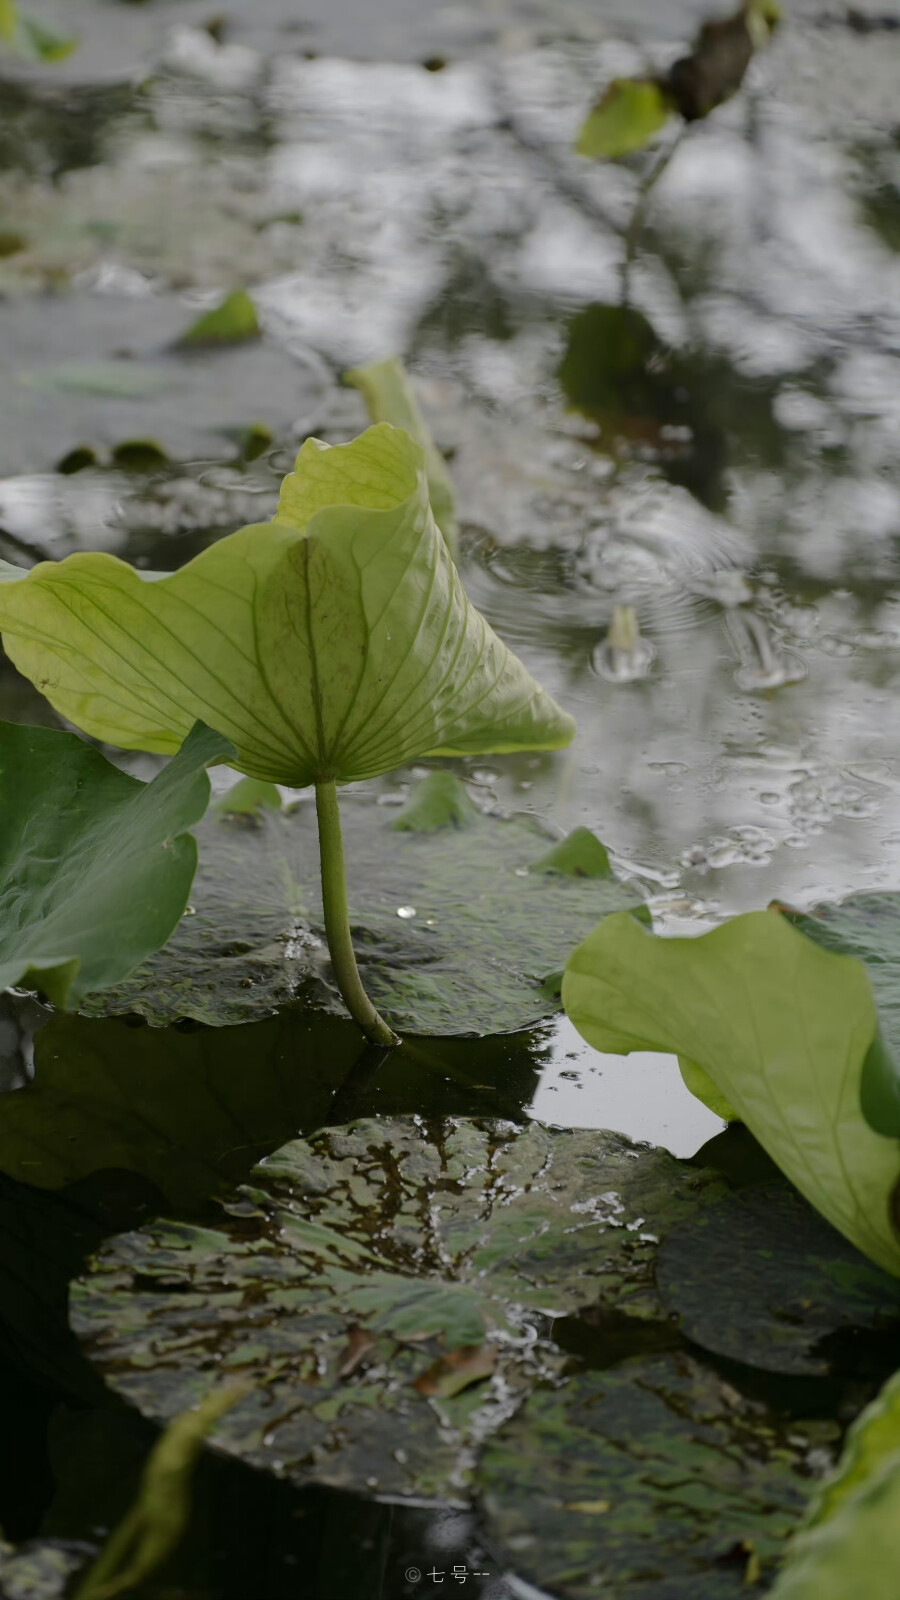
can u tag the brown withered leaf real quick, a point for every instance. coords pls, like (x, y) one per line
(359, 1344)
(455, 1371)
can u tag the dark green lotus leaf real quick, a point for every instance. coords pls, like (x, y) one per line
(652, 1481)
(95, 867)
(454, 932)
(401, 1242)
(762, 1278)
(42, 1569)
(867, 926)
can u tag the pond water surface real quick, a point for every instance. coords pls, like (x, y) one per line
(399, 178)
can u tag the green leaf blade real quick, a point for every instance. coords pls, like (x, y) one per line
(230, 322)
(629, 115)
(95, 867)
(781, 1027)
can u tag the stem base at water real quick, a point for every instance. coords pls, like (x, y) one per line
(337, 921)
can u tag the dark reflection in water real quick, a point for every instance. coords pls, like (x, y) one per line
(684, 410)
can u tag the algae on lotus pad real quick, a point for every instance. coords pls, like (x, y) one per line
(354, 1261)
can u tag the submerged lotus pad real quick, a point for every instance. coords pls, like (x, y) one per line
(653, 1481)
(334, 642)
(354, 1261)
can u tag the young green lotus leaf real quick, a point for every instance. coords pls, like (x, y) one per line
(33, 40)
(850, 1541)
(783, 1029)
(95, 867)
(630, 114)
(229, 322)
(389, 397)
(332, 644)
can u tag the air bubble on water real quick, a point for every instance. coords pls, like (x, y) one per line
(406, 912)
(624, 655)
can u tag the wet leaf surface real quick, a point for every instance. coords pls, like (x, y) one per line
(653, 1481)
(428, 1239)
(761, 1278)
(454, 932)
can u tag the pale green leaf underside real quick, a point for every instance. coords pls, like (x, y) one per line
(334, 642)
(95, 867)
(856, 1552)
(780, 1026)
(873, 1438)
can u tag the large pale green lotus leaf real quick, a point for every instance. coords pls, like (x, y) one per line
(335, 642)
(783, 1029)
(95, 867)
(868, 926)
(389, 397)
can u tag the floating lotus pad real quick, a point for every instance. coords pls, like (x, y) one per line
(354, 1261)
(762, 1278)
(653, 1481)
(454, 931)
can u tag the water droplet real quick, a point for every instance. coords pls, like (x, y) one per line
(406, 912)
